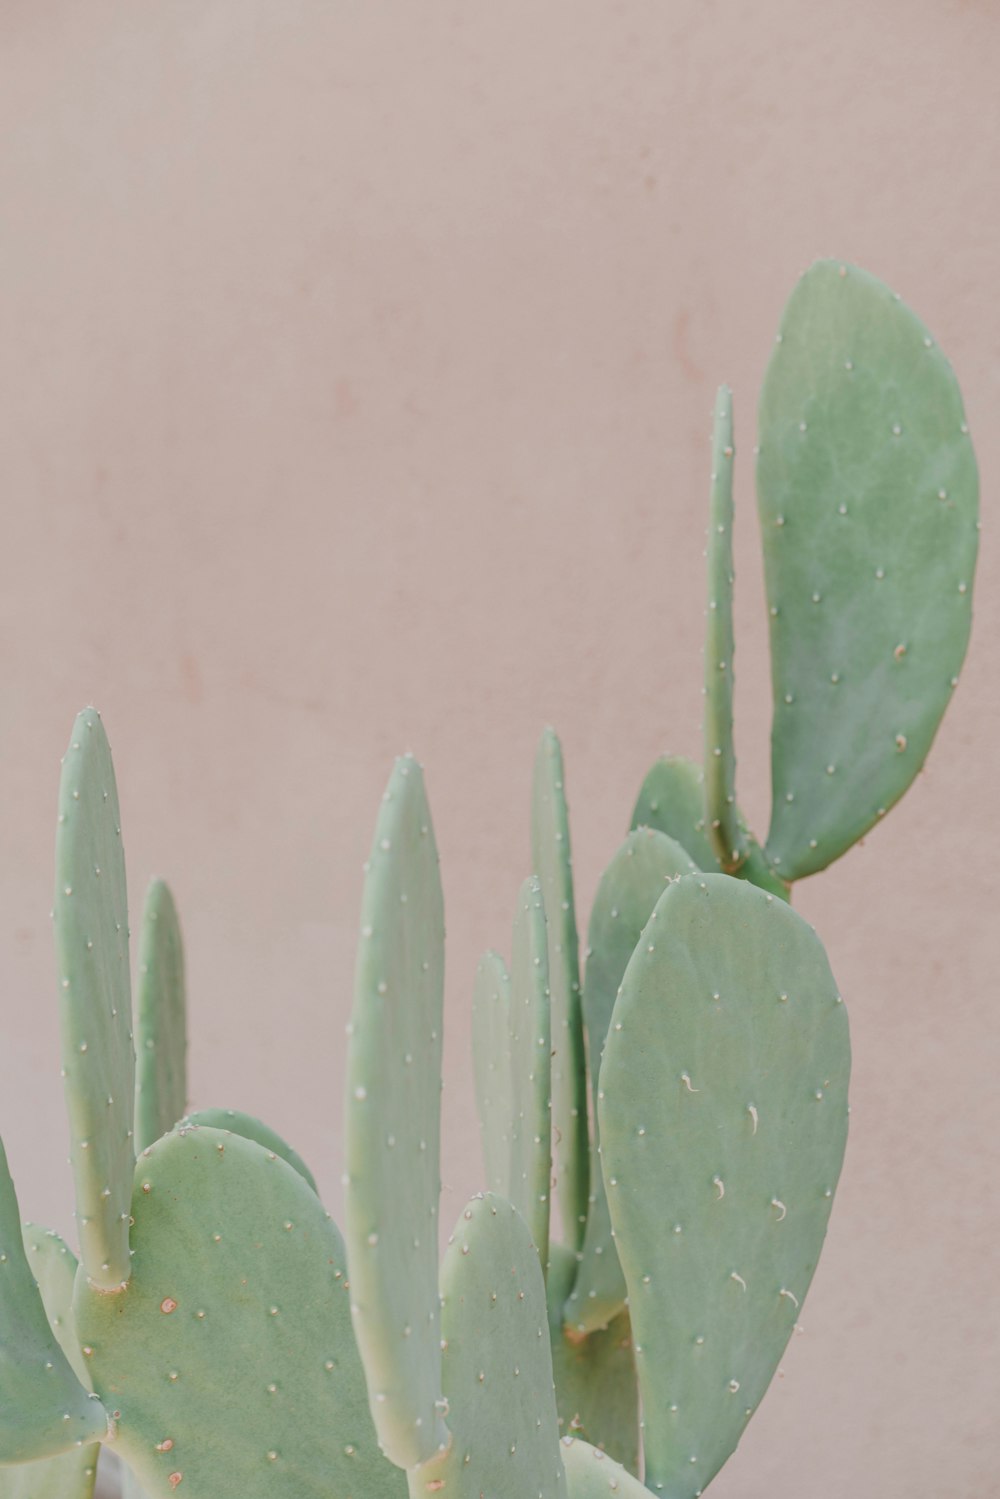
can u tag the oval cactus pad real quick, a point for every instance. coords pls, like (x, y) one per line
(393, 1124)
(723, 1124)
(868, 497)
(229, 1358)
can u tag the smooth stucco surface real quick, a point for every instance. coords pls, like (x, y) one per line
(357, 366)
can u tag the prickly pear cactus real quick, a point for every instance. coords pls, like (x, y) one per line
(160, 1021)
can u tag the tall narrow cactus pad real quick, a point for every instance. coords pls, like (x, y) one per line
(44, 1408)
(630, 888)
(725, 1099)
(393, 1124)
(71, 1475)
(250, 1128)
(725, 829)
(593, 1474)
(530, 1088)
(95, 1000)
(552, 856)
(161, 1020)
(229, 1356)
(491, 1063)
(597, 1390)
(497, 1366)
(868, 496)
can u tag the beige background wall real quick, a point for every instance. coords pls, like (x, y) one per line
(357, 366)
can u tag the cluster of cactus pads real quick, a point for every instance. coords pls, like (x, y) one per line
(687, 1096)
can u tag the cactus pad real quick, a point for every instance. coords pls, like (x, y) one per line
(724, 1086)
(497, 1366)
(229, 1358)
(552, 856)
(45, 1409)
(95, 1000)
(160, 1020)
(491, 1061)
(629, 889)
(593, 1474)
(250, 1128)
(393, 1124)
(597, 1391)
(868, 497)
(725, 827)
(672, 800)
(530, 1093)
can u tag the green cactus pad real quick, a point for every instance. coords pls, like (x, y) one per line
(497, 1366)
(672, 800)
(552, 856)
(593, 1474)
(630, 888)
(229, 1356)
(71, 1475)
(724, 1086)
(250, 1128)
(160, 1021)
(725, 828)
(491, 1062)
(530, 1091)
(868, 497)
(597, 1390)
(45, 1408)
(95, 1000)
(393, 1124)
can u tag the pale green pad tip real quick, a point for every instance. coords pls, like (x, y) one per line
(71, 1475)
(868, 495)
(497, 1365)
(250, 1128)
(530, 1088)
(593, 1474)
(393, 1124)
(229, 1355)
(724, 1101)
(161, 1020)
(597, 1391)
(629, 889)
(44, 1407)
(727, 835)
(491, 1064)
(90, 916)
(552, 857)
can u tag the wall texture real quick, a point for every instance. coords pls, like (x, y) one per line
(357, 366)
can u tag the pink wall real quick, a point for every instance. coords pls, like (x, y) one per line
(357, 367)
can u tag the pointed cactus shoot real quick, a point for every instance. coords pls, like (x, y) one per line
(95, 1000)
(161, 1020)
(393, 1124)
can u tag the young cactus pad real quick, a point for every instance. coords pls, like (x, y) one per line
(393, 1124)
(511, 1038)
(497, 1365)
(45, 1409)
(95, 1000)
(161, 1020)
(629, 890)
(550, 849)
(724, 1098)
(868, 497)
(229, 1356)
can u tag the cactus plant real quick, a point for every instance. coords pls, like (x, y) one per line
(690, 1092)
